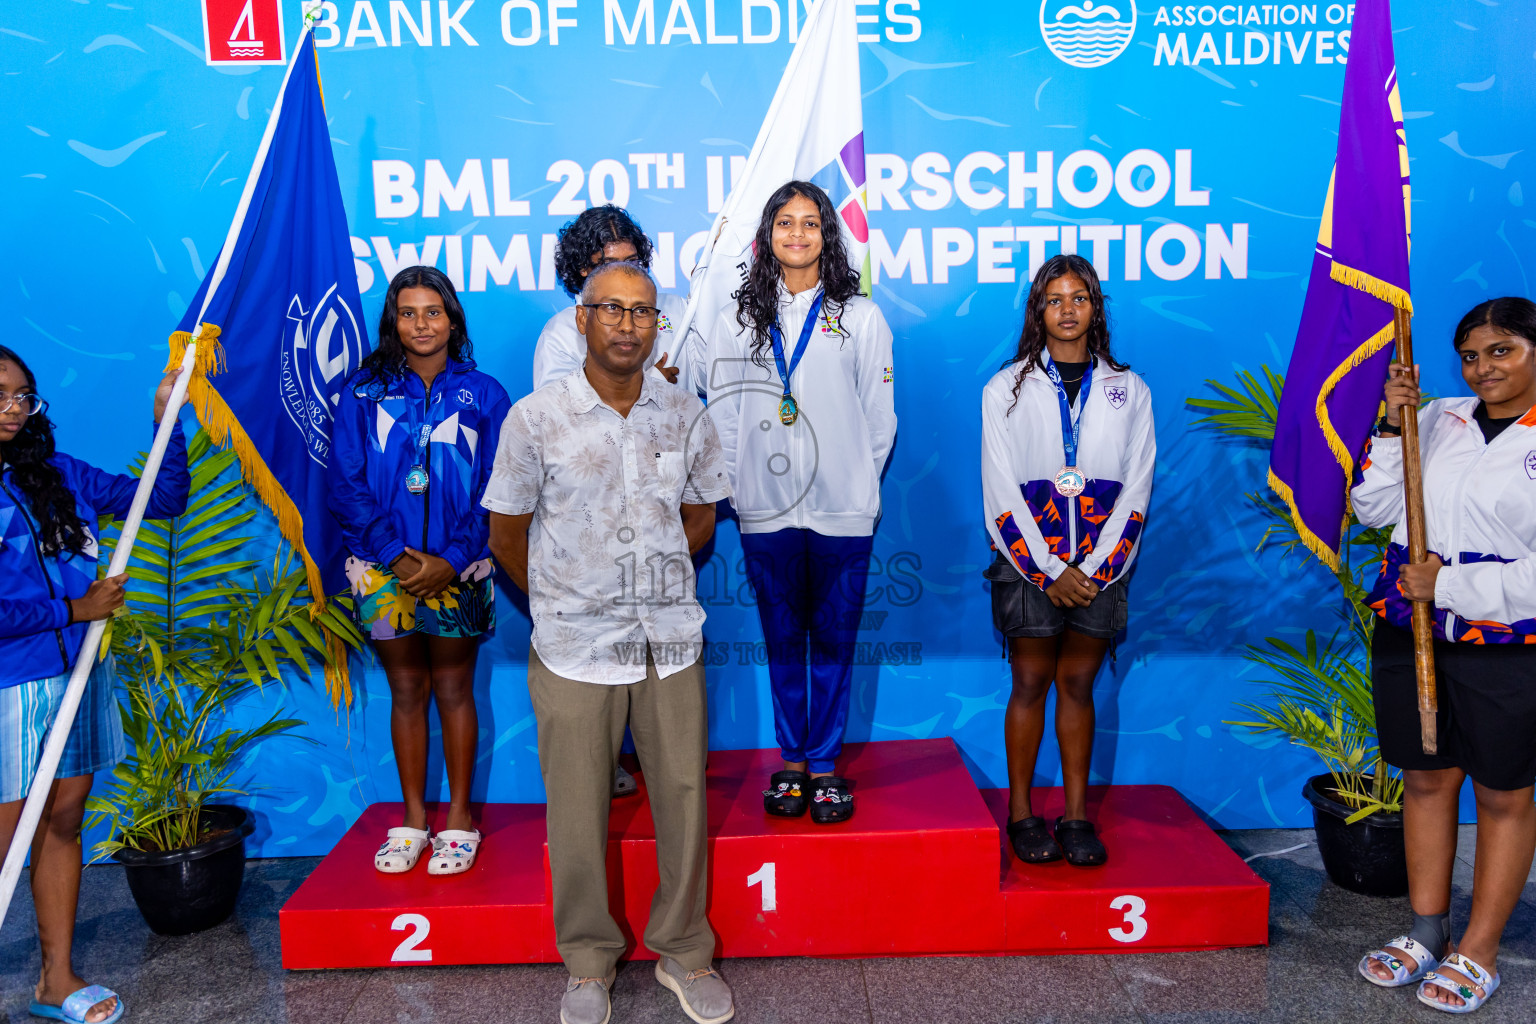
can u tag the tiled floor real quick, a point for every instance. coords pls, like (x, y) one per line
(232, 974)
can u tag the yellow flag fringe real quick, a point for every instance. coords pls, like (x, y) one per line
(1314, 543)
(1360, 281)
(224, 429)
(1375, 343)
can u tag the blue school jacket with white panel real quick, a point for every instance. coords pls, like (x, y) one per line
(37, 638)
(379, 433)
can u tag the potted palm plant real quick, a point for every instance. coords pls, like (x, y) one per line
(204, 631)
(1318, 695)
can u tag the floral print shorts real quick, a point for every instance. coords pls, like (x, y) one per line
(384, 611)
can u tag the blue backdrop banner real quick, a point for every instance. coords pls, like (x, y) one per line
(1185, 149)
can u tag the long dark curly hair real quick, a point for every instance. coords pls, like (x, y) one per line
(386, 363)
(757, 304)
(30, 458)
(1032, 336)
(590, 233)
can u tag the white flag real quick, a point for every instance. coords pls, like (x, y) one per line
(814, 131)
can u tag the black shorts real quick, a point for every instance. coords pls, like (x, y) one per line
(1487, 708)
(1019, 608)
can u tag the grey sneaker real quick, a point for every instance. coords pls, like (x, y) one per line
(586, 1001)
(704, 995)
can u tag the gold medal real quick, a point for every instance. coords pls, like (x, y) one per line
(789, 411)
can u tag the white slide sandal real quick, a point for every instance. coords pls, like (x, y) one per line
(1489, 983)
(1401, 975)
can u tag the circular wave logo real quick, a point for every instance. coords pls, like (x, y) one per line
(321, 347)
(1085, 33)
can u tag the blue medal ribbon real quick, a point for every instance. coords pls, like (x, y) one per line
(417, 479)
(1071, 430)
(788, 409)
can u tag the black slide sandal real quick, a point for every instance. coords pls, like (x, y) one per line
(785, 796)
(1080, 841)
(1031, 841)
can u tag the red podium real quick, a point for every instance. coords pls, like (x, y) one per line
(922, 868)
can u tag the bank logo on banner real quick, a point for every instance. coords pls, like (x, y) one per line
(243, 32)
(320, 349)
(1085, 33)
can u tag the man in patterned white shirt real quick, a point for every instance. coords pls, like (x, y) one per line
(604, 485)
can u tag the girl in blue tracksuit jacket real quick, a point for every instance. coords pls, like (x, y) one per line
(49, 509)
(416, 433)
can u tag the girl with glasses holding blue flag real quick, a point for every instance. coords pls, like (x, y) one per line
(416, 433)
(800, 389)
(1066, 472)
(50, 506)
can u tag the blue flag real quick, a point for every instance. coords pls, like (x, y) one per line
(281, 324)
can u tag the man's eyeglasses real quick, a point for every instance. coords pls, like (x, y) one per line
(611, 314)
(32, 404)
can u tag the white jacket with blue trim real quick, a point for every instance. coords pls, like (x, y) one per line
(823, 472)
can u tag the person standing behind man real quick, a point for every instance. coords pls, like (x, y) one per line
(608, 468)
(600, 235)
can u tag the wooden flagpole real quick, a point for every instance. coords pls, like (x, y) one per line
(1418, 548)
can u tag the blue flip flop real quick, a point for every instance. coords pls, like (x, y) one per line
(79, 1004)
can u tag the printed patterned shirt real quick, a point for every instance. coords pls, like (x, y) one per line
(608, 565)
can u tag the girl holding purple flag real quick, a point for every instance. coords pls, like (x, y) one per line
(1066, 470)
(1479, 458)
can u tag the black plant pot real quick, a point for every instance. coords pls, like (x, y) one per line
(1368, 856)
(196, 887)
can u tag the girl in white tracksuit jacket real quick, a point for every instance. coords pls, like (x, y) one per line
(1066, 471)
(800, 389)
(1479, 459)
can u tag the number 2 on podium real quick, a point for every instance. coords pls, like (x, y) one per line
(766, 876)
(1135, 927)
(406, 952)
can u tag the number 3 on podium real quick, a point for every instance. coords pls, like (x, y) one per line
(1135, 927)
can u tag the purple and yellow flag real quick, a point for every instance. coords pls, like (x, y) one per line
(1333, 388)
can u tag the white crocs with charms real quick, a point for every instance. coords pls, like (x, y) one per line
(453, 851)
(402, 848)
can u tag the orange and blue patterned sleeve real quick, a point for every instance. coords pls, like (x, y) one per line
(1023, 517)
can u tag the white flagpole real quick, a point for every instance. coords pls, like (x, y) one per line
(823, 9)
(58, 733)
